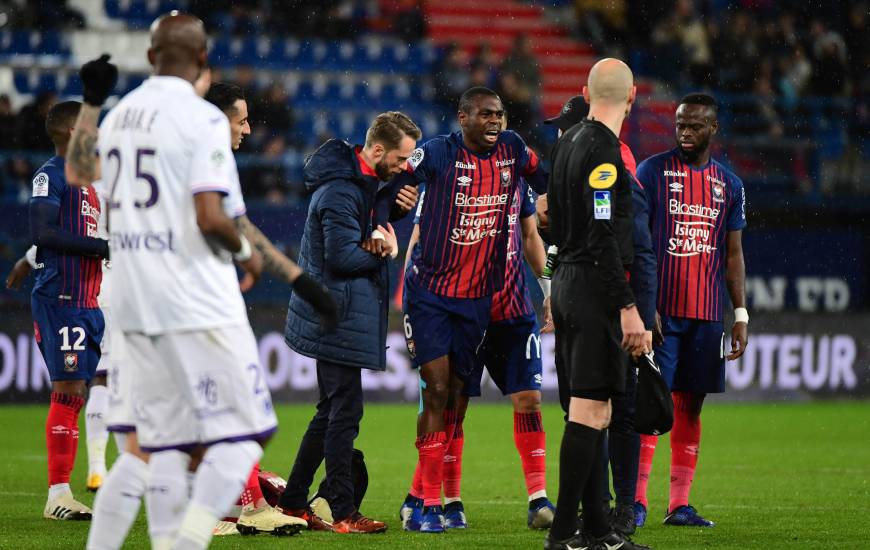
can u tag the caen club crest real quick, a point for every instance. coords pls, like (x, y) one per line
(412, 347)
(718, 192)
(70, 362)
(506, 177)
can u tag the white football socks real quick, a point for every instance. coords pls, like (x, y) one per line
(95, 426)
(219, 481)
(167, 496)
(117, 503)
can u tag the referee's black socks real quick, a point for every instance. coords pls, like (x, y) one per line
(579, 466)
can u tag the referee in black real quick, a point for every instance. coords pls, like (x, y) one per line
(596, 320)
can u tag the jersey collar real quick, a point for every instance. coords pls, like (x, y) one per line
(171, 83)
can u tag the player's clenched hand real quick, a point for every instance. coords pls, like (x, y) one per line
(98, 79)
(253, 268)
(548, 316)
(633, 331)
(407, 198)
(739, 337)
(390, 239)
(19, 272)
(375, 246)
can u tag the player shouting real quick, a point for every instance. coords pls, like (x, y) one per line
(697, 214)
(511, 354)
(471, 179)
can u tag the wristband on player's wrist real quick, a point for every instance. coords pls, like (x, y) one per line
(245, 252)
(30, 256)
(741, 315)
(545, 286)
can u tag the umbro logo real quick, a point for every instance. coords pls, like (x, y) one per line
(676, 187)
(539, 452)
(614, 546)
(463, 180)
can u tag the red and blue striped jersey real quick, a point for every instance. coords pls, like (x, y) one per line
(513, 300)
(691, 210)
(67, 279)
(464, 220)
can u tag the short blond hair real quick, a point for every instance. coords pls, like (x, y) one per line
(389, 128)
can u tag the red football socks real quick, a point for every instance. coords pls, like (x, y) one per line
(644, 467)
(531, 442)
(431, 449)
(253, 494)
(453, 456)
(62, 436)
(685, 441)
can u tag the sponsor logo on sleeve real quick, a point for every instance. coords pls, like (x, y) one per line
(217, 158)
(416, 157)
(40, 185)
(603, 176)
(602, 205)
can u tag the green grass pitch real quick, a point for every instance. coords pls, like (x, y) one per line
(771, 476)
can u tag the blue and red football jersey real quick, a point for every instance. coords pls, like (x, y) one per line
(67, 279)
(513, 300)
(691, 210)
(465, 218)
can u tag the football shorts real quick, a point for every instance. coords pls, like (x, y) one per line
(199, 387)
(439, 325)
(511, 353)
(692, 356)
(68, 338)
(120, 381)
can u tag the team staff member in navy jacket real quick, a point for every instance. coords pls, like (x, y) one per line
(344, 180)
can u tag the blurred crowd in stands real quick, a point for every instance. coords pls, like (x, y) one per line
(776, 51)
(770, 56)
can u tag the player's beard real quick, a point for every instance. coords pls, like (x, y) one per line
(382, 169)
(692, 156)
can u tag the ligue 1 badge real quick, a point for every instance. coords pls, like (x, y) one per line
(70, 362)
(506, 177)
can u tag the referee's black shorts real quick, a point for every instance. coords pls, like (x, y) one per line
(590, 361)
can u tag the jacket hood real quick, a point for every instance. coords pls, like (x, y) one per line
(335, 159)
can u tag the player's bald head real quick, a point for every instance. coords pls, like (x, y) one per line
(178, 42)
(610, 81)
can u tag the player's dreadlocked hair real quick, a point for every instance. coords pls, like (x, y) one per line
(224, 95)
(466, 101)
(701, 99)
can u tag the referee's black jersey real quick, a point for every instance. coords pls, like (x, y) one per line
(589, 203)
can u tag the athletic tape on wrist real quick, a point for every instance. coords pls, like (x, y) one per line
(245, 252)
(741, 315)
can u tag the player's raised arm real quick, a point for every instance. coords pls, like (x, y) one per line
(98, 78)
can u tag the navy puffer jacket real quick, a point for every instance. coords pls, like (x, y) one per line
(339, 218)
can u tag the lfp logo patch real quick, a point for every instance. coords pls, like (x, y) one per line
(603, 176)
(602, 205)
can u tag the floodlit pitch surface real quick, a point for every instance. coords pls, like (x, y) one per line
(771, 476)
